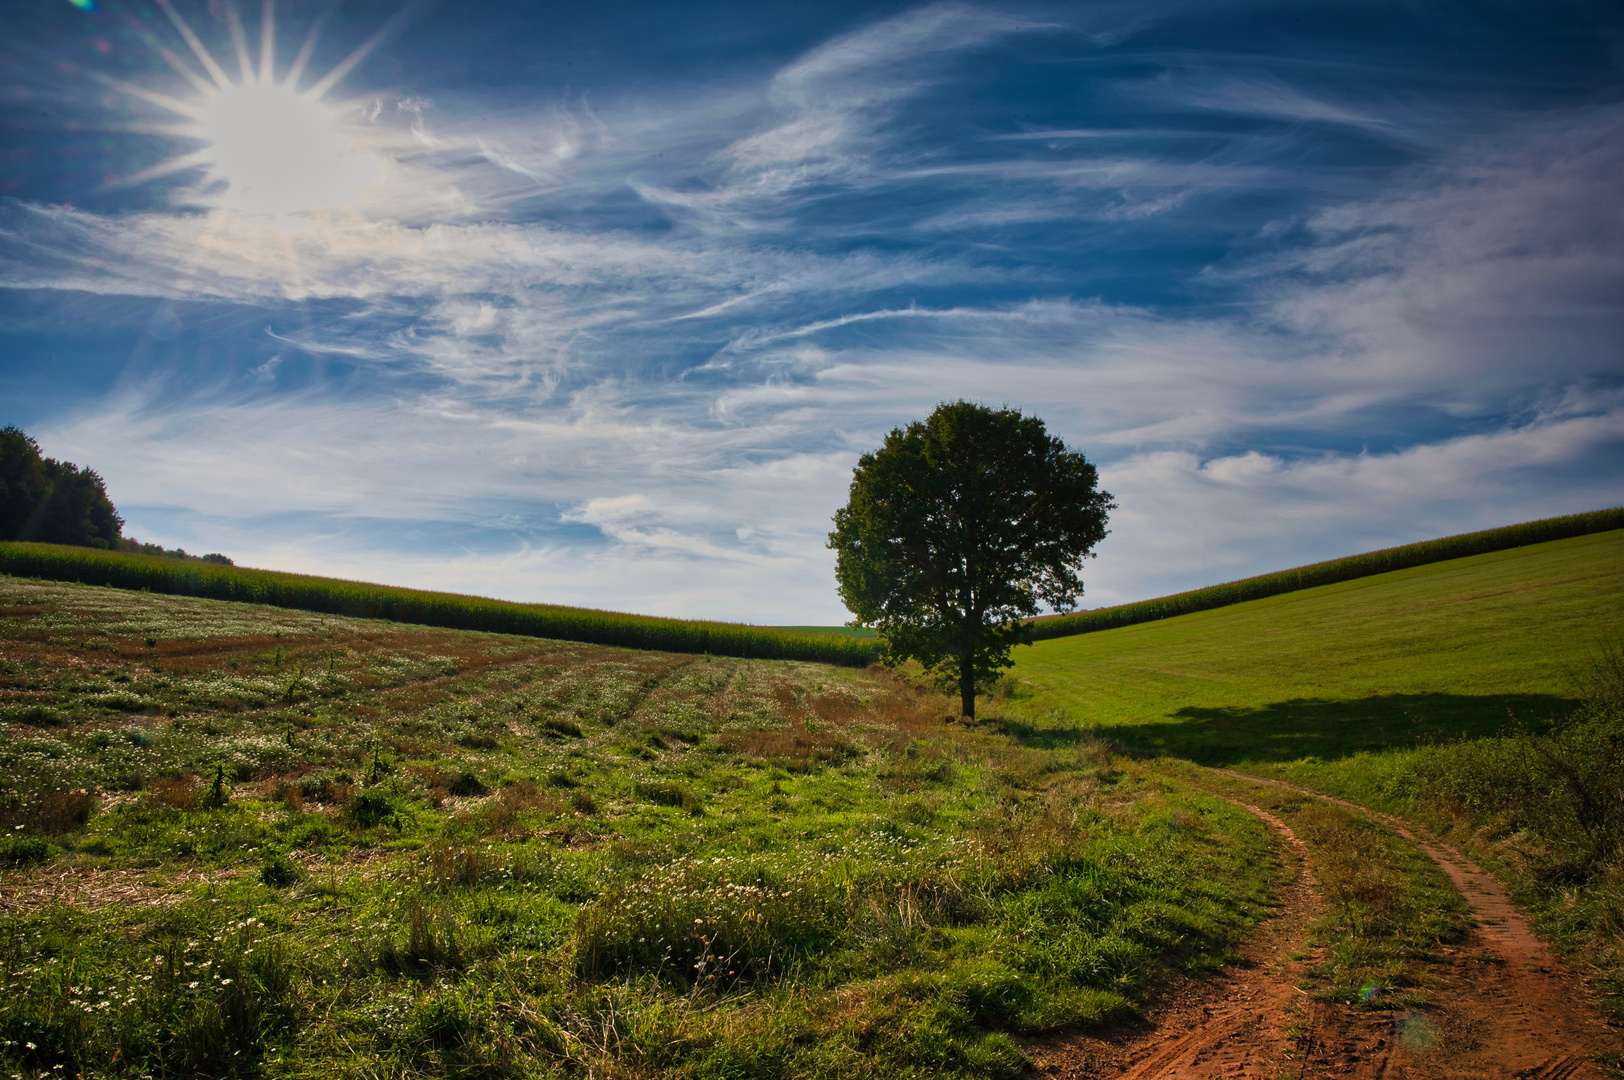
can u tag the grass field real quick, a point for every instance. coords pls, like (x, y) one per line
(304, 592)
(1481, 697)
(1401, 659)
(251, 841)
(246, 840)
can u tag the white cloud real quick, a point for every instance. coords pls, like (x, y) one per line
(664, 419)
(1252, 512)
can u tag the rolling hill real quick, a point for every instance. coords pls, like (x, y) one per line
(1432, 652)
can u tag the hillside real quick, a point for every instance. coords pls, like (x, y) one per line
(240, 840)
(1433, 652)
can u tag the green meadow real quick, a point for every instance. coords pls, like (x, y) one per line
(1429, 654)
(248, 840)
(239, 840)
(1481, 697)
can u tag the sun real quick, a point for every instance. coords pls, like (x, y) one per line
(268, 147)
(279, 151)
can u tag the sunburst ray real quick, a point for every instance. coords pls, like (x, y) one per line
(178, 163)
(346, 65)
(270, 148)
(302, 60)
(163, 101)
(239, 41)
(267, 41)
(203, 56)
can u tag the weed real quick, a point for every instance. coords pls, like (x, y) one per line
(22, 849)
(559, 727)
(466, 785)
(368, 809)
(279, 871)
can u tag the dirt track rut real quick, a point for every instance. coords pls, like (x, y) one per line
(1504, 1006)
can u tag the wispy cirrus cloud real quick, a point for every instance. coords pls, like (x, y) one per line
(624, 352)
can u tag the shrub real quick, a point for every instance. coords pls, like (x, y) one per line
(665, 793)
(1563, 787)
(32, 716)
(50, 814)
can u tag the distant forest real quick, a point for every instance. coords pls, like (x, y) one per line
(56, 502)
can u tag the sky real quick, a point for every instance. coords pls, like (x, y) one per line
(600, 304)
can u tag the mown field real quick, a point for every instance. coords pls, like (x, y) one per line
(252, 841)
(1482, 697)
(1401, 659)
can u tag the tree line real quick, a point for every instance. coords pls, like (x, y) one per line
(57, 502)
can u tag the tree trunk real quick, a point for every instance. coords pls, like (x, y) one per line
(967, 687)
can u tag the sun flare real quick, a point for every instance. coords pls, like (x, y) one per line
(279, 151)
(268, 146)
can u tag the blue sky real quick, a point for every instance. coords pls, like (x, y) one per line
(599, 303)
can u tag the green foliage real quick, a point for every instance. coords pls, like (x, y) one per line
(135, 546)
(51, 501)
(957, 528)
(1332, 571)
(222, 582)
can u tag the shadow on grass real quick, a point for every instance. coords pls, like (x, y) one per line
(1047, 738)
(1300, 728)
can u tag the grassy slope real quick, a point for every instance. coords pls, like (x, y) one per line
(305, 592)
(456, 853)
(1419, 692)
(1398, 659)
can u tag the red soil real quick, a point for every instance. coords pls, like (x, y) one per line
(1504, 1006)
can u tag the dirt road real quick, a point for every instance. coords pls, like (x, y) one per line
(1504, 1006)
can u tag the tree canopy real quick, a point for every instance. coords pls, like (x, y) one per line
(54, 502)
(958, 528)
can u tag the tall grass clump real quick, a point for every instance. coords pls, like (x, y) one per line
(1331, 572)
(198, 1004)
(334, 596)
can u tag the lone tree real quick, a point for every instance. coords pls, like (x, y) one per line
(957, 529)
